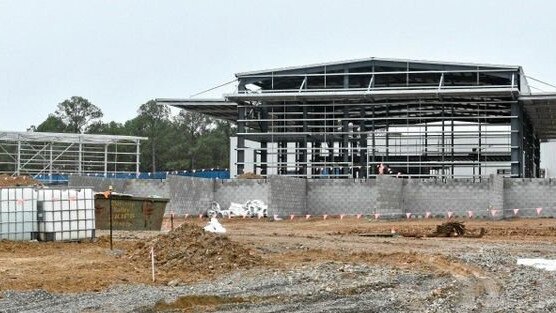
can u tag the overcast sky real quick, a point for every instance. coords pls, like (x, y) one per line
(120, 54)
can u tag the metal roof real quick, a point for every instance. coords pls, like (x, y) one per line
(217, 108)
(393, 60)
(66, 137)
(375, 94)
(541, 109)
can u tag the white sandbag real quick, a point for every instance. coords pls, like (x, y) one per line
(214, 210)
(214, 226)
(237, 209)
(256, 208)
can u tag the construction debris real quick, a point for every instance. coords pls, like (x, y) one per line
(251, 208)
(379, 235)
(449, 229)
(17, 181)
(455, 229)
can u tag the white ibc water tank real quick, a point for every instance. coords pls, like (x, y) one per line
(65, 214)
(18, 213)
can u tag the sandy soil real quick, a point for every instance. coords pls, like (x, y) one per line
(92, 266)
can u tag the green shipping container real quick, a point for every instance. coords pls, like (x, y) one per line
(129, 213)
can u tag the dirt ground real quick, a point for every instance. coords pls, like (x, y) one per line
(91, 266)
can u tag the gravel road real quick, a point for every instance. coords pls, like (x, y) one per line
(478, 277)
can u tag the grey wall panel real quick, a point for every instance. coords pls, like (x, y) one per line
(288, 195)
(341, 196)
(240, 191)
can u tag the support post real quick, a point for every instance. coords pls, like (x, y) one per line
(106, 160)
(50, 160)
(303, 144)
(516, 140)
(345, 144)
(240, 141)
(362, 146)
(264, 158)
(137, 158)
(18, 168)
(80, 158)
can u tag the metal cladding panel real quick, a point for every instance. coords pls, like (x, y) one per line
(129, 213)
(18, 213)
(65, 214)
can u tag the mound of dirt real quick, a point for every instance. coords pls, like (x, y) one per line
(249, 175)
(449, 229)
(190, 248)
(16, 181)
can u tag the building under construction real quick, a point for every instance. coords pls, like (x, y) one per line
(51, 154)
(360, 118)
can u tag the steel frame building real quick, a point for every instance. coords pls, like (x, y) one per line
(418, 118)
(36, 153)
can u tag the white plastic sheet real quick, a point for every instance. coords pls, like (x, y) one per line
(251, 208)
(545, 264)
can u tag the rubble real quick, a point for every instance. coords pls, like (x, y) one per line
(449, 229)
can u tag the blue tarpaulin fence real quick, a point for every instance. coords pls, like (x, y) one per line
(202, 173)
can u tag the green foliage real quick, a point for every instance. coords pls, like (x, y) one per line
(112, 128)
(52, 124)
(78, 113)
(187, 141)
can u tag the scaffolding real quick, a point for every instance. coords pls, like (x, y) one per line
(49, 154)
(351, 119)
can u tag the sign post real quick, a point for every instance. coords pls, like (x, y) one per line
(108, 194)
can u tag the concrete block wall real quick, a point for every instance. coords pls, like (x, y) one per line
(341, 196)
(148, 187)
(240, 191)
(387, 196)
(389, 199)
(288, 195)
(136, 187)
(496, 196)
(98, 184)
(189, 195)
(528, 194)
(438, 197)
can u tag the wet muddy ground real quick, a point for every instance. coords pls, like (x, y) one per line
(293, 266)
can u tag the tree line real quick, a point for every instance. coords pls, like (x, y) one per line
(186, 141)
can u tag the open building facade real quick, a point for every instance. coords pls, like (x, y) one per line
(361, 118)
(48, 155)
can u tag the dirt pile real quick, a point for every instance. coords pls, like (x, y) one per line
(449, 229)
(249, 175)
(190, 248)
(16, 181)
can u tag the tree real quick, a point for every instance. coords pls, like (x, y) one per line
(193, 125)
(52, 124)
(78, 113)
(112, 128)
(190, 140)
(153, 121)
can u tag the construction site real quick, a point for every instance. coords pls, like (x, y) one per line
(371, 185)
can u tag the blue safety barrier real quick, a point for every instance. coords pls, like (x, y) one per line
(59, 179)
